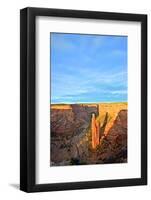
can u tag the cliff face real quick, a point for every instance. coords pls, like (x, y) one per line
(71, 119)
(71, 134)
(69, 128)
(113, 145)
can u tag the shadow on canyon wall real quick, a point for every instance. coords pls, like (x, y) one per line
(102, 128)
(71, 135)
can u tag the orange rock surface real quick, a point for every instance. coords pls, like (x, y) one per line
(88, 133)
(108, 113)
(95, 131)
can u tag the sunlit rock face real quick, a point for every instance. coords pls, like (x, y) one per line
(69, 128)
(113, 148)
(72, 134)
(95, 131)
(108, 113)
(71, 120)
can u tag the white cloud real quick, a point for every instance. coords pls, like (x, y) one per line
(119, 92)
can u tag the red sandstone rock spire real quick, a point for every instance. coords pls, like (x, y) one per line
(95, 131)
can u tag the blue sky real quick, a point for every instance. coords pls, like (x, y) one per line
(88, 68)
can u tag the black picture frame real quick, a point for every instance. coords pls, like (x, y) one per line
(28, 99)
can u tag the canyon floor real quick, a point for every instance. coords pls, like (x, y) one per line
(71, 134)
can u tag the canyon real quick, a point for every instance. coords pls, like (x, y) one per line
(88, 134)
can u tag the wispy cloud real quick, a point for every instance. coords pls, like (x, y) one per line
(80, 70)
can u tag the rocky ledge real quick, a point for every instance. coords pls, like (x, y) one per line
(71, 134)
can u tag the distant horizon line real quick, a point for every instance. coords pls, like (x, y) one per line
(91, 102)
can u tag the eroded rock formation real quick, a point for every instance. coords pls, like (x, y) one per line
(95, 131)
(72, 142)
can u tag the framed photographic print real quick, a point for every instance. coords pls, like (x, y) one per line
(83, 95)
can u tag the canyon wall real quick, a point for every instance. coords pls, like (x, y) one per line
(71, 119)
(70, 125)
(71, 134)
